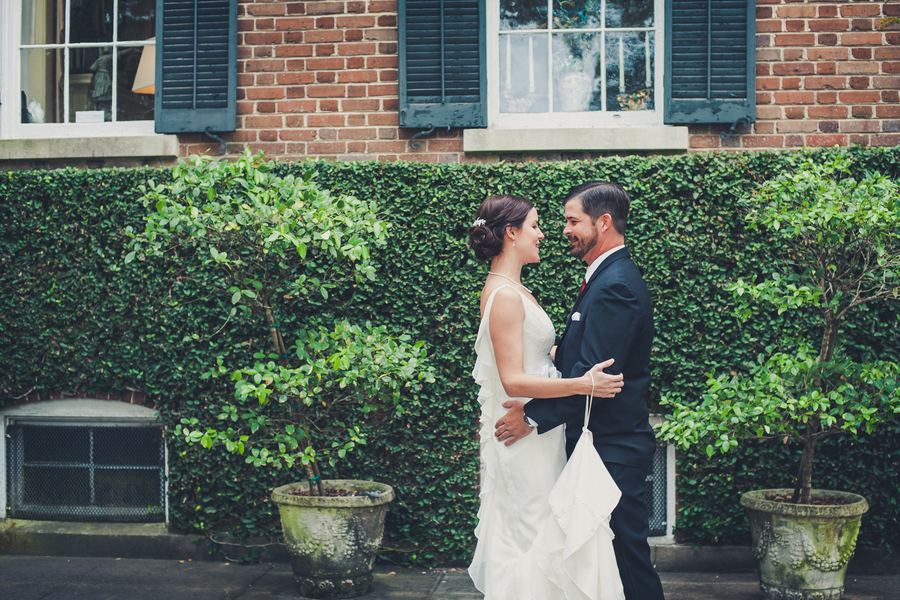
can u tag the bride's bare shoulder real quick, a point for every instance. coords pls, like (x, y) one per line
(505, 298)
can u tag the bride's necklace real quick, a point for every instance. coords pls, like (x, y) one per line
(511, 279)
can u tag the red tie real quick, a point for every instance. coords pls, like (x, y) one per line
(583, 283)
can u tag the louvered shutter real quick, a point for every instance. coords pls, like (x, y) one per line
(195, 65)
(710, 74)
(443, 81)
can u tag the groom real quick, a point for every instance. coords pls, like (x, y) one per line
(612, 318)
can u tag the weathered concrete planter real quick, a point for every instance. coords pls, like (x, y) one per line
(803, 549)
(333, 540)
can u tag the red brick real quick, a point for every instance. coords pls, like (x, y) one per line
(793, 68)
(762, 69)
(827, 112)
(388, 75)
(829, 25)
(252, 121)
(329, 35)
(861, 112)
(245, 108)
(265, 24)
(326, 147)
(269, 37)
(387, 21)
(356, 62)
(795, 26)
(356, 120)
(390, 104)
(387, 48)
(270, 135)
(328, 105)
(826, 140)
(445, 145)
(295, 106)
(889, 126)
(858, 139)
(324, 8)
(326, 91)
(265, 9)
(890, 67)
(293, 50)
(319, 64)
(266, 107)
(826, 68)
(353, 35)
(827, 54)
(828, 126)
(768, 54)
(793, 141)
(763, 98)
(357, 76)
(384, 89)
(826, 97)
(826, 39)
(886, 83)
(381, 35)
(257, 93)
(773, 26)
(295, 64)
(890, 96)
(892, 38)
(356, 7)
(859, 83)
(353, 49)
(325, 50)
(861, 53)
(793, 54)
(794, 98)
(246, 25)
(387, 6)
(388, 133)
(861, 39)
(859, 97)
(796, 127)
(763, 12)
(243, 52)
(295, 148)
(891, 10)
(295, 23)
(826, 12)
(264, 65)
(887, 112)
(861, 25)
(768, 83)
(327, 134)
(355, 21)
(357, 134)
(360, 105)
(891, 139)
(383, 119)
(769, 112)
(860, 10)
(858, 68)
(795, 112)
(262, 52)
(763, 141)
(294, 37)
(298, 135)
(326, 76)
(862, 126)
(247, 135)
(325, 23)
(796, 12)
(245, 80)
(790, 83)
(382, 62)
(764, 127)
(268, 148)
(325, 120)
(825, 83)
(354, 147)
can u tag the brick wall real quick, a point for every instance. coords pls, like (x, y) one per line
(827, 73)
(318, 79)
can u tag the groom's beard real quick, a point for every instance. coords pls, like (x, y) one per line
(580, 247)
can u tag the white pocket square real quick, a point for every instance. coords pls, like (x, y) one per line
(576, 316)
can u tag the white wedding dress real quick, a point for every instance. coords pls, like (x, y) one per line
(543, 524)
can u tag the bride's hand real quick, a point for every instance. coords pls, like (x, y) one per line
(605, 385)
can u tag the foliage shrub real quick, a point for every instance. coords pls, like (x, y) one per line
(76, 319)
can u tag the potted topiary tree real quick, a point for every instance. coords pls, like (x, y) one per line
(841, 240)
(274, 240)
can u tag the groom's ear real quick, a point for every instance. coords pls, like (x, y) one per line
(603, 222)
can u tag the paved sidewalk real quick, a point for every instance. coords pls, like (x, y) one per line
(60, 578)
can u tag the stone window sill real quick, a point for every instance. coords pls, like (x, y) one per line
(668, 138)
(142, 146)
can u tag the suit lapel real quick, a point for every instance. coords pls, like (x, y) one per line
(612, 258)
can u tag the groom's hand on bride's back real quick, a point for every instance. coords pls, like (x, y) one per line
(512, 426)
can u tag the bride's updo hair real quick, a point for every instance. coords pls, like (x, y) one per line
(491, 220)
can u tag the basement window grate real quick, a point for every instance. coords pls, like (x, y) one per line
(85, 472)
(656, 495)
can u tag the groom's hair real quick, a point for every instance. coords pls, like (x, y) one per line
(601, 197)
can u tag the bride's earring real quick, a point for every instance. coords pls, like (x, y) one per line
(514, 244)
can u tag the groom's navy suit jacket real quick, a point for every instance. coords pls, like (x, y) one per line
(613, 318)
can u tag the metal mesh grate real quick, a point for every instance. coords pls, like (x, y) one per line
(656, 492)
(85, 473)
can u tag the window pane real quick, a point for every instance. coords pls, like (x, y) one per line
(629, 71)
(629, 13)
(576, 68)
(91, 21)
(137, 19)
(42, 22)
(576, 14)
(523, 74)
(42, 84)
(523, 14)
(90, 85)
(129, 105)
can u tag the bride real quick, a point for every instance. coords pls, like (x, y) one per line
(522, 552)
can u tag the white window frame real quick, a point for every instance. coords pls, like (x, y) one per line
(572, 120)
(11, 126)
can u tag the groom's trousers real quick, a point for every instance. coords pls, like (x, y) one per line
(630, 524)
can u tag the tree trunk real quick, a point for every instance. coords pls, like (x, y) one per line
(829, 337)
(804, 477)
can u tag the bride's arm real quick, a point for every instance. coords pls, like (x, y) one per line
(506, 326)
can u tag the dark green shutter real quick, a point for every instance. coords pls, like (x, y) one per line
(195, 65)
(710, 74)
(443, 80)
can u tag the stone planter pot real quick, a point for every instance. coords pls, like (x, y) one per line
(803, 549)
(333, 540)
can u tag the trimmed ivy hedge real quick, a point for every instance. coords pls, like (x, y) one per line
(75, 318)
